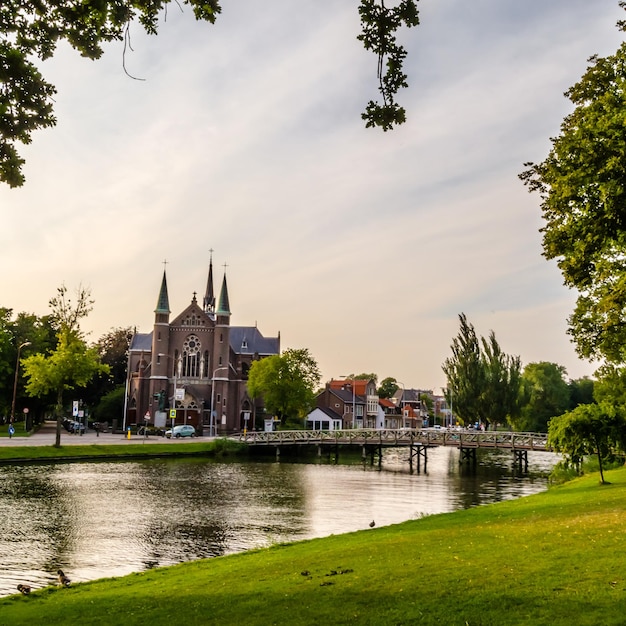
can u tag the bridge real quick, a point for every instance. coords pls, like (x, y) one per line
(373, 441)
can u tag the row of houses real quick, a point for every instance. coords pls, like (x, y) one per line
(354, 403)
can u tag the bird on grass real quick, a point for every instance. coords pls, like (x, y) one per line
(372, 524)
(64, 581)
(23, 589)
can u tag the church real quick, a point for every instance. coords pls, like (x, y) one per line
(194, 368)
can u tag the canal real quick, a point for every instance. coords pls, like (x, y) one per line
(101, 519)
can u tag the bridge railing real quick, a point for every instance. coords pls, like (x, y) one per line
(399, 437)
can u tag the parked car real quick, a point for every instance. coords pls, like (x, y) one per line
(181, 431)
(72, 426)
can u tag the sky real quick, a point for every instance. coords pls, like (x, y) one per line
(245, 138)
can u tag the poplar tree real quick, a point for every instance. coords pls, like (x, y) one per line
(465, 374)
(483, 383)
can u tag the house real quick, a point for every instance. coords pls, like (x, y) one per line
(352, 401)
(417, 400)
(194, 368)
(324, 419)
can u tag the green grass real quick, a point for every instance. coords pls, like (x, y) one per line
(556, 558)
(218, 447)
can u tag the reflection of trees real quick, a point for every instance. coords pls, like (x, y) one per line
(197, 509)
(34, 509)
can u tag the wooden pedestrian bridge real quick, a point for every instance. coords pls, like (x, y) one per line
(373, 441)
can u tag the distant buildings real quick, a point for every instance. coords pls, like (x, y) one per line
(354, 403)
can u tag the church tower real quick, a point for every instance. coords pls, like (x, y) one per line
(160, 348)
(221, 352)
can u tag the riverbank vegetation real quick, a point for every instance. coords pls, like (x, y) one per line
(553, 558)
(218, 447)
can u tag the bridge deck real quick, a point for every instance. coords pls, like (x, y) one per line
(399, 438)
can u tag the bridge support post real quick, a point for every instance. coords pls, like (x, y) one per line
(469, 455)
(520, 459)
(278, 453)
(417, 451)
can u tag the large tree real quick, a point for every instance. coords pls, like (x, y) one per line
(582, 186)
(483, 383)
(589, 429)
(112, 348)
(72, 363)
(465, 374)
(31, 29)
(20, 335)
(546, 394)
(287, 382)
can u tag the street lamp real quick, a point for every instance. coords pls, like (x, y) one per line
(17, 367)
(402, 402)
(211, 423)
(353, 399)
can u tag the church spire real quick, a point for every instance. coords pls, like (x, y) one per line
(223, 307)
(209, 296)
(163, 303)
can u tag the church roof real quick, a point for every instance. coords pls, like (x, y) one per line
(163, 303)
(248, 340)
(223, 307)
(141, 342)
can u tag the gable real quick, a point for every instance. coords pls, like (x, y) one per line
(193, 316)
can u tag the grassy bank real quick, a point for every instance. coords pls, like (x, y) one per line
(553, 558)
(217, 447)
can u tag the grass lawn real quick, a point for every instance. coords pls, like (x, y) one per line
(556, 558)
(220, 447)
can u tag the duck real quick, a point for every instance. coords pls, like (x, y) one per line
(372, 524)
(23, 589)
(64, 581)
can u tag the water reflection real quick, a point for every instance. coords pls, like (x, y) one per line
(108, 519)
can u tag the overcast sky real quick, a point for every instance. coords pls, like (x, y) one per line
(245, 137)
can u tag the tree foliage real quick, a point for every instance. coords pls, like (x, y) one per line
(30, 31)
(388, 387)
(38, 335)
(71, 363)
(582, 186)
(465, 374)
(483, 382)
(500, 397)
(546, 394)
(287, 382)
(588, 429)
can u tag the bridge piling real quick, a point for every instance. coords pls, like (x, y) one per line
(520, 459)
(469, 455)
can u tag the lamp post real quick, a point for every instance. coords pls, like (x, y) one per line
(17, 367)
(402, 402)
(211, 423)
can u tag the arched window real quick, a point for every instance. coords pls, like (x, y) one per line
(191, 357)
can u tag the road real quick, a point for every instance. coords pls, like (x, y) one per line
(45, 436)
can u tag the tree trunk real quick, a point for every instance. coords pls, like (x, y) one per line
(599, 460)
(58, 411)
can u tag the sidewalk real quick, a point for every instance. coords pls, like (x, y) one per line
(46, 436)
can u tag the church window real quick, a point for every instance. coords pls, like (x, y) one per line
(191, 357)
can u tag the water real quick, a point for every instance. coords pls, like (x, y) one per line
(103, 519)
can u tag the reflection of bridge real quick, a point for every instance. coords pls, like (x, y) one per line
(373, 441)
